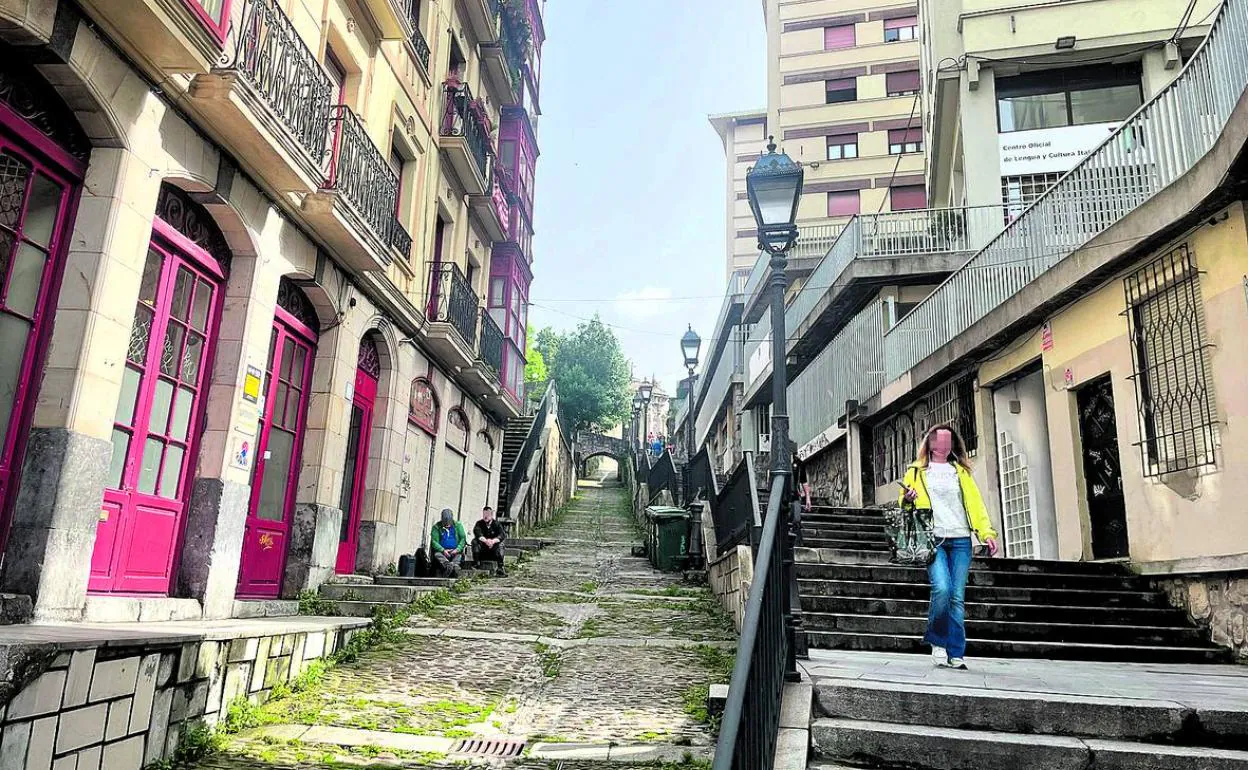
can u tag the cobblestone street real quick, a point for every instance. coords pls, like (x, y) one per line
(584, 653)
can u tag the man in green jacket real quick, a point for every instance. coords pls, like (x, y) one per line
(447, 542)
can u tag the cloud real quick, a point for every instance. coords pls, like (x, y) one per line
(646, 302)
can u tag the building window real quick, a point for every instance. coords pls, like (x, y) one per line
(905, 140)
(841, 36)
(844, 90)
(214, 13)
(1019, 192)
(907, 198)
(1057, 98)
(1173, 381)
(842, 147)
(843, 203)
(902, 83)
(905, 28)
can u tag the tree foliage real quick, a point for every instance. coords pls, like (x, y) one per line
(535, 369)
(592, 375)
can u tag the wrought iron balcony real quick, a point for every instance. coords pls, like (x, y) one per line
(417, 39)
(493, 209)
(465, 136)
(490, 346)
(270, 96)
(452, 301)
(400, 239)
(504, 64)
(358, 172)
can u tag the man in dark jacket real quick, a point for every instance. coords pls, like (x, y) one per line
(487, 541)
(447, 541)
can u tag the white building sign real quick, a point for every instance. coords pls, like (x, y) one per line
(1049, 150)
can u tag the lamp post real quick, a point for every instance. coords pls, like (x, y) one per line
(636, 419)
(690, 344)
(774, 188)
(644, 391)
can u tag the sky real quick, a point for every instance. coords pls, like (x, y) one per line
(630, 191)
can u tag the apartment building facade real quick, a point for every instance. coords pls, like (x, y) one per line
(744, 136)
(267, 265)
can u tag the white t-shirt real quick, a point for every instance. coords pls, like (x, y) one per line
(949, 517)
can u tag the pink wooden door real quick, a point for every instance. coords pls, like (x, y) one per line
(356, 466)
(35, 207)
(158, 417)
(275, 475)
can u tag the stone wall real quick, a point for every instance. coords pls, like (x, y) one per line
(551, 478)
(730, 576)
(1217, 601)
(121, 704)
(828, 475)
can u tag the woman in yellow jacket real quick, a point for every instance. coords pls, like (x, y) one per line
(940, 480)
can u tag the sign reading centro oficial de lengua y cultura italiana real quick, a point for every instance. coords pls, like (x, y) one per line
(1049, 150)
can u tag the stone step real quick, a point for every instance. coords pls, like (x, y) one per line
(884, 744)
(1034, 713)
(996, 648)
(860, 545)
(983, 574)
(353, 609)
(841, 555)
(350, 580)
(844, 533)
(993, 594)
(840, 527)
(816, 517)
(1033, 613)
(414, 582)
(1012, 630)
(401, 594)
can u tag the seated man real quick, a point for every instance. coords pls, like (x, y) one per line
(447, 543)
(487, 541)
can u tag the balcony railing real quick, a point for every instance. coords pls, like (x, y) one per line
(727, 370)
(490, 347)
(360, 174)
(460, 118)
(1149, 151)
(850, 367)
(502, 195)
(512, 55)
(419, 44)
(273, 59)
(400, 238)
(452, 300)
(895, 234)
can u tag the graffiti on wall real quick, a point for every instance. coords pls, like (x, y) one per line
(828, 475)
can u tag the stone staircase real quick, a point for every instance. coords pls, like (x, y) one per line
(1100, 722)
(514, 436)
(853, 599)
(358, 596)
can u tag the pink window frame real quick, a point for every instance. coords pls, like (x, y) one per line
(218, 29)
(47, 158)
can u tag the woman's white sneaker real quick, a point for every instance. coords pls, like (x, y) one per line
(939, 656)
(957, 663)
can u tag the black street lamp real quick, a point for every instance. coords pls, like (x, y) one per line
(690, 344)
(636, 419)
(644, 391)
(774, 187)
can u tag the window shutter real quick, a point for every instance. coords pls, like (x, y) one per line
(904, 135)
(843, 203)
(903, 22)
(842, 84)
(841, 36)
(908, 198)
(896, 82)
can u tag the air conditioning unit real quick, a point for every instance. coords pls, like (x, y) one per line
(764, 442)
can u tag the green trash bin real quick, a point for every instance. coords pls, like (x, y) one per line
(667, 536)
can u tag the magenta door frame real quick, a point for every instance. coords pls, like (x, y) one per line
(363, 400)
(45, 157)
(139, 536)
(266, 540)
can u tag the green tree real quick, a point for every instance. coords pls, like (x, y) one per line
(535, 366)
(546, 342)
(591, 372)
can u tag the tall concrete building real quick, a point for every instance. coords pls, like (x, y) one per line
(742, 134)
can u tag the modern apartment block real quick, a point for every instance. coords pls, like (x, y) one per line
(265, 269)
(744, 136)
(844, 100)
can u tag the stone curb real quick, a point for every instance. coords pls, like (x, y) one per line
(597, 641)
(622, 596)
(646, 752)
(350, 736)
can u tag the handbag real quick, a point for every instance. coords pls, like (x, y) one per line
(910, 538)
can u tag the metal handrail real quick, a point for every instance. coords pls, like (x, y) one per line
(516, 473)
(751, 721)
(1150, 150)
(663, 476)
(734, 512)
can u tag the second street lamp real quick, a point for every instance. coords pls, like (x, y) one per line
(643, 391)
(690, 344)
(636, 419)
(774, 188)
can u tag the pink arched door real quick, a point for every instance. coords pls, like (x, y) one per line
(37, 198)
(367, 373)
(275, 475)
(159, 414)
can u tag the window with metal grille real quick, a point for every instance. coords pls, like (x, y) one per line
(1019, 192)
(895, 440)
(1173, 381)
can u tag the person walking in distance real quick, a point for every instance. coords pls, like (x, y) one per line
(940, 480)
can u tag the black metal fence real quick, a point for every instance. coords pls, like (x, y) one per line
(735, 510)
(274, 60)
(452, 300)
(461, 118)
(751, 722)
(419, 44)
(490, 348)
(360, 174)
(663, 476)
(702, 482)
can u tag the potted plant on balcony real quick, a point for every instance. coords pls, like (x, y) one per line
(516, 18)
(948, 226)
(479, 110)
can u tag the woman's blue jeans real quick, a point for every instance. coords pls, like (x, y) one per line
(946, 618)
